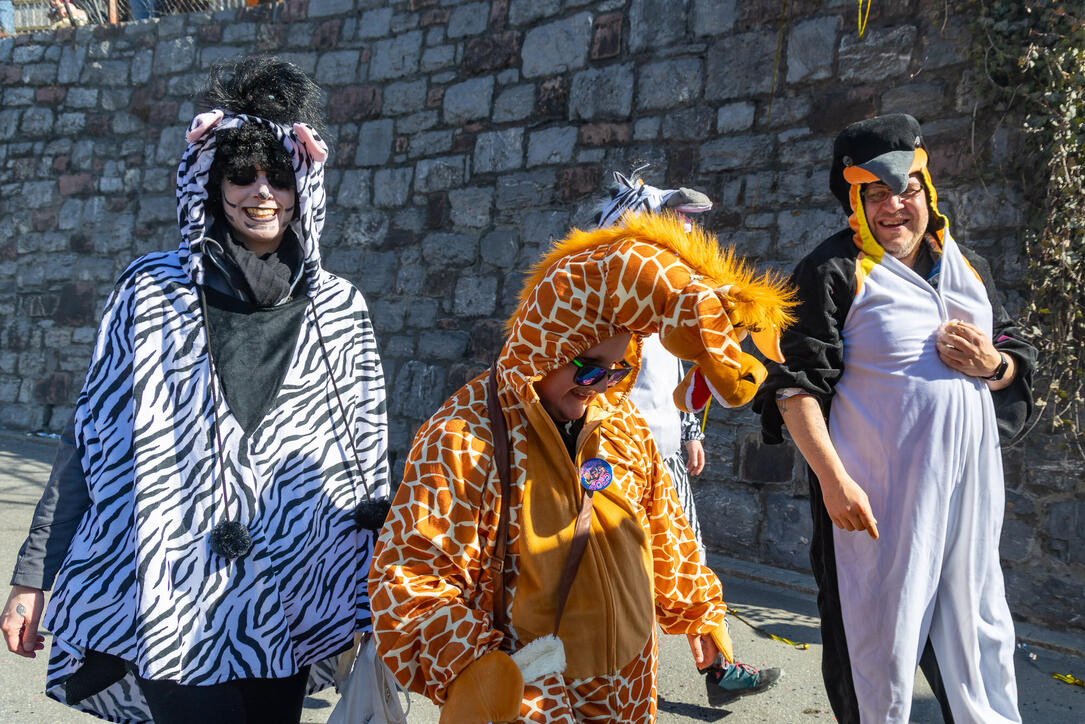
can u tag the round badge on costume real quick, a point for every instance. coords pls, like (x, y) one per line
(595, 474)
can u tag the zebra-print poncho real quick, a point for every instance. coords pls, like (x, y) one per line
(140, 581)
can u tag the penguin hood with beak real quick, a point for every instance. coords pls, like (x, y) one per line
(886, 149)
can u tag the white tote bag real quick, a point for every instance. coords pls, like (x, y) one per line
(368, 692)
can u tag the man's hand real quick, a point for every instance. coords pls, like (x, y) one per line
(963, 347)
(694, 457)
(20, 621)
(848, 506)
(704, 650)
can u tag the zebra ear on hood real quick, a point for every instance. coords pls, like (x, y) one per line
(312, 142)
(203, 123)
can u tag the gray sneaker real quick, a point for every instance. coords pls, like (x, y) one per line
(726, 682)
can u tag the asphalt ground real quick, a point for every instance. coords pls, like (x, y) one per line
(779, 602)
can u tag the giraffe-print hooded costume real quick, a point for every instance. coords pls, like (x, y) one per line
(430, 584)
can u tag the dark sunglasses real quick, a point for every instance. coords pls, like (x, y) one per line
(280, 178)
(588, 375)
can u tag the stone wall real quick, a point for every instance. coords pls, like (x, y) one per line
(468, 134)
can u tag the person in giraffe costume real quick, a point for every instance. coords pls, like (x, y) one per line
(584, 651)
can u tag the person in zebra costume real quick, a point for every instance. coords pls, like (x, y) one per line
(209, 520)
(659, 375)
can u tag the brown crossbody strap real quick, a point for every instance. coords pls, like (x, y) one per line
(498, 571)
(576, 553)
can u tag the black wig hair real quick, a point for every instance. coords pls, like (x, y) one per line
(265, 87)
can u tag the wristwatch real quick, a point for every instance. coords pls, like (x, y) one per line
(1000, 371)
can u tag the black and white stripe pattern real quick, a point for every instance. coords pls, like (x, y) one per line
(140, 580)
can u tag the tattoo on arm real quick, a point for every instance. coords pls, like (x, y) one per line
(20, 609)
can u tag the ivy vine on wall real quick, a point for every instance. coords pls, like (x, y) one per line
(1032, 55)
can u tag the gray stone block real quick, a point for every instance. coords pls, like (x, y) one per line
(740, 65)
(785, 538)
(336, 67)
(444, 345)
(238, 33)
(422, 314)
(438, 174)
(377, 271)
(366, 229)
(522, 12)
(416, 122)
(70, 124)
(544, 227)
(429, 143)
(551, 146)
(354, 189)
(514, 104)
(1018, 538)
(556, 47)
(142, 63)
(328, 8)
(801, 230)
(396, 57)
(446, 249)
(922, 98)
(499, 151)
(944, 44)
(1065, 521)
(471, 206)
(71, 62)
(729, 516)
(735, 152)
(374, 143)
(375, 23)
(669, 83)
(418, 386)
(602, 93)
(27, 54)
(109, 73)
(436, 58)
(712, 17)
(174, 56)
(475, 296)
(468, 101)
(500, 247)
(646, 129)
(878, 57)
(810, 47)
(525, 190)
(19, 97)
(35, 74)
(392, 186)
(36, 122)
(689, 124)
(656, 23)
(404, 97)
(735, 117)
(410, 279)
(469, 19)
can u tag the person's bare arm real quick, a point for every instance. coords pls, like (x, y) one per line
(845, 500)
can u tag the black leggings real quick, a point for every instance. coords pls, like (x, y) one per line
(267, 701)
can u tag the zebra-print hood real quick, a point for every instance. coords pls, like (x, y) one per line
(194, 171)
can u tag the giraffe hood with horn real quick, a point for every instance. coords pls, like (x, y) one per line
(649, 275)
(439, 570)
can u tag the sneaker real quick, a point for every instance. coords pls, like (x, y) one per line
(726, 682)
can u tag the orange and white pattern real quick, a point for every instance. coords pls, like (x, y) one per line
(430, 583)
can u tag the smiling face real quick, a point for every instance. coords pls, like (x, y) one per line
(562, 397)
(258, 208)
(897, 222)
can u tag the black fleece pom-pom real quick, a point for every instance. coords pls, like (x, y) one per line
(230, 539)
(370, 514)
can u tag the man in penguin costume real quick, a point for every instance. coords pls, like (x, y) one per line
(901, 374)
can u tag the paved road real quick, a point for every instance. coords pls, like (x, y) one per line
(777, 603)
